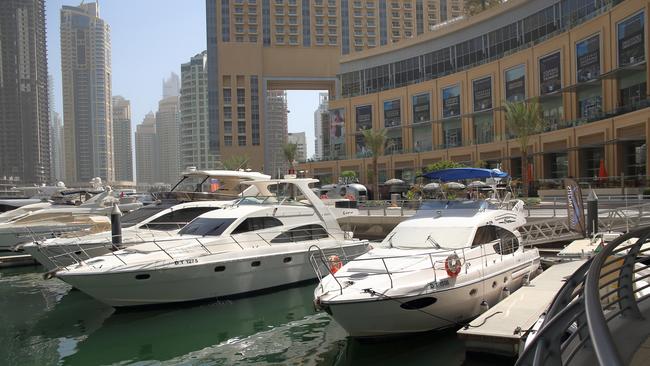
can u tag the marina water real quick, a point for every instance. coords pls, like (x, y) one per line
(45, 322)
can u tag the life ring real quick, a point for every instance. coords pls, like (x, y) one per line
(453, 265)
(335, 263)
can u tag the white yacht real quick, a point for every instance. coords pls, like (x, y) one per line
(260, 242)
(87, 217)
(437, 269)
(198, 192)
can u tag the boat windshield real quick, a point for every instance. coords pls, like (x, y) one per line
(428, 237)
(227, 186)
(270, 200)
(137, 216)
(206, 226)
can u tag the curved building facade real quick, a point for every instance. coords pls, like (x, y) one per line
(440, 95)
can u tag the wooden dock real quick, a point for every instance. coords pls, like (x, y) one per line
(20, 260)
(503, 326)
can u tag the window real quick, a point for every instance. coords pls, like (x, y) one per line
(227, 127)
(227, 112)
(257, 223)
(631, 43)
(206, 227)
(241, 140)
(226, 96)
(241, 112)
(484, 235)
(241, 127)
(301, 233)
(508, 242)
(227, 140)
(176, 219)
(241, 96)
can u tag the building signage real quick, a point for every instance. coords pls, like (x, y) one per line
(392, 113)
(337, 132)
(631, 45)
(421, 108)
(482, 94)
(364, 117)
(451, 101)
(550, 74)
(588, 58)
(516, 84)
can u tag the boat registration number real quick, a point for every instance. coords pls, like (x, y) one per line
(186, 261)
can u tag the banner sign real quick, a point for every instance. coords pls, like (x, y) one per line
(451, 101)
(392, 113)
(550, 73)
(364, 117)
(575, 207)
(337, 132)
(588, 58)
(421, 108)
(516, 84)
(482, 94)
(631, 45)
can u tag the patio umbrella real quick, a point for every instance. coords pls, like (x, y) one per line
(477, 184)
(454, 185)
(394, 181)
(433, 186)
(602, 172)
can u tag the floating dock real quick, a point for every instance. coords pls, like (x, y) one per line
(504, 325)
(17, 261)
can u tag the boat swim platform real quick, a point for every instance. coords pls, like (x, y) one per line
(501, 329)
(21, 260)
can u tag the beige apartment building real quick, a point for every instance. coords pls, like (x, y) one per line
(146, 152)
(122, 146)
(257, 46)
(86, 73)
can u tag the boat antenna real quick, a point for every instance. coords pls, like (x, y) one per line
(435, 244)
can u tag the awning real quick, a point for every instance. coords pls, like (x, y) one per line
(465, 173)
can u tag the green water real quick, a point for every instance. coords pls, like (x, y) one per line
(44, 322)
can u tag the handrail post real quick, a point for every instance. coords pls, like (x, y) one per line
(388, 272)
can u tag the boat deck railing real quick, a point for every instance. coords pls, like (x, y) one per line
(600, 313)
(437, 261)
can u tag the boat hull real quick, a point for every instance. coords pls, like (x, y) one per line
(385, 316)
(196, 281)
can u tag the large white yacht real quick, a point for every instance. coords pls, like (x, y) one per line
(198, 192)
(87, 217)
(437, 269)
(262, 241)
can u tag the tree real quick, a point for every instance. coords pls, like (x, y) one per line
(524, 119)
(348, 176)
(235, 162)
(473, 7)
(443, 164)
(290, 150)
(375, 141)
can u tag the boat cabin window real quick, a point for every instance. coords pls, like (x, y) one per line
(484, 235)
(176, 219)
(508, 242)
(206, 226)
(301, 233)
(257, 223)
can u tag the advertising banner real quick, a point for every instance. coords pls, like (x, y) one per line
(550, 74)
(631, 45)
(451, 101)
(588, 59)
(392, 113)
(575, 206)
(364, 117)
(516, 84)
(421, 108)
(482, 89)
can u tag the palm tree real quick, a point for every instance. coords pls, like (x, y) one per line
(473, 7)
(524, 119)
(235, 162)
(375, 141)
(290, 150)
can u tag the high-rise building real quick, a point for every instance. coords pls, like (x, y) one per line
(57, 155)
(256, 46)
(86, 72)
(194, 137)
(146, 151)
(24, 113)
(171, 86)
(122, 147)
(276, 133)
(300, 139)
(318, 125)
(168, 120)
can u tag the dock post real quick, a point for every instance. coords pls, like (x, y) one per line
(592, 213)
(116, 225)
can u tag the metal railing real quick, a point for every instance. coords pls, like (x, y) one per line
(597, 309)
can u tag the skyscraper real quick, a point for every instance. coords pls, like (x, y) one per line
(146, 156)
(168, 119)
(122, 147)
(300, 140)
(194, 137)
(276, 133)
(318, 125)
(171, 86)
(24, 114)
(86, 72)
(57, 167)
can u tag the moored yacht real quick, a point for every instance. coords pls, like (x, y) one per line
(437, 269)
(197, 192)
(261, 241)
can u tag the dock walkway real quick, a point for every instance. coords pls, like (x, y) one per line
(504, 325)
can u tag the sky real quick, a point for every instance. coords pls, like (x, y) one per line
(149, 40)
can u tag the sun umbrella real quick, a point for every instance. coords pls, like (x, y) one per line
(477, 184)
(433, 186)
(602, 172)
(394, 181)
(454, 185)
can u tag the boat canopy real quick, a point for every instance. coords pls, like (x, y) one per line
(451, 174)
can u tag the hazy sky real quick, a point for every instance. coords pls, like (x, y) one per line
(150, 39)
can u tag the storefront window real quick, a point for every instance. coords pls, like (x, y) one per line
(590, 158)
(422, 131)
(483, 128)
(452, 132)
(556, 165)
(633, 154)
